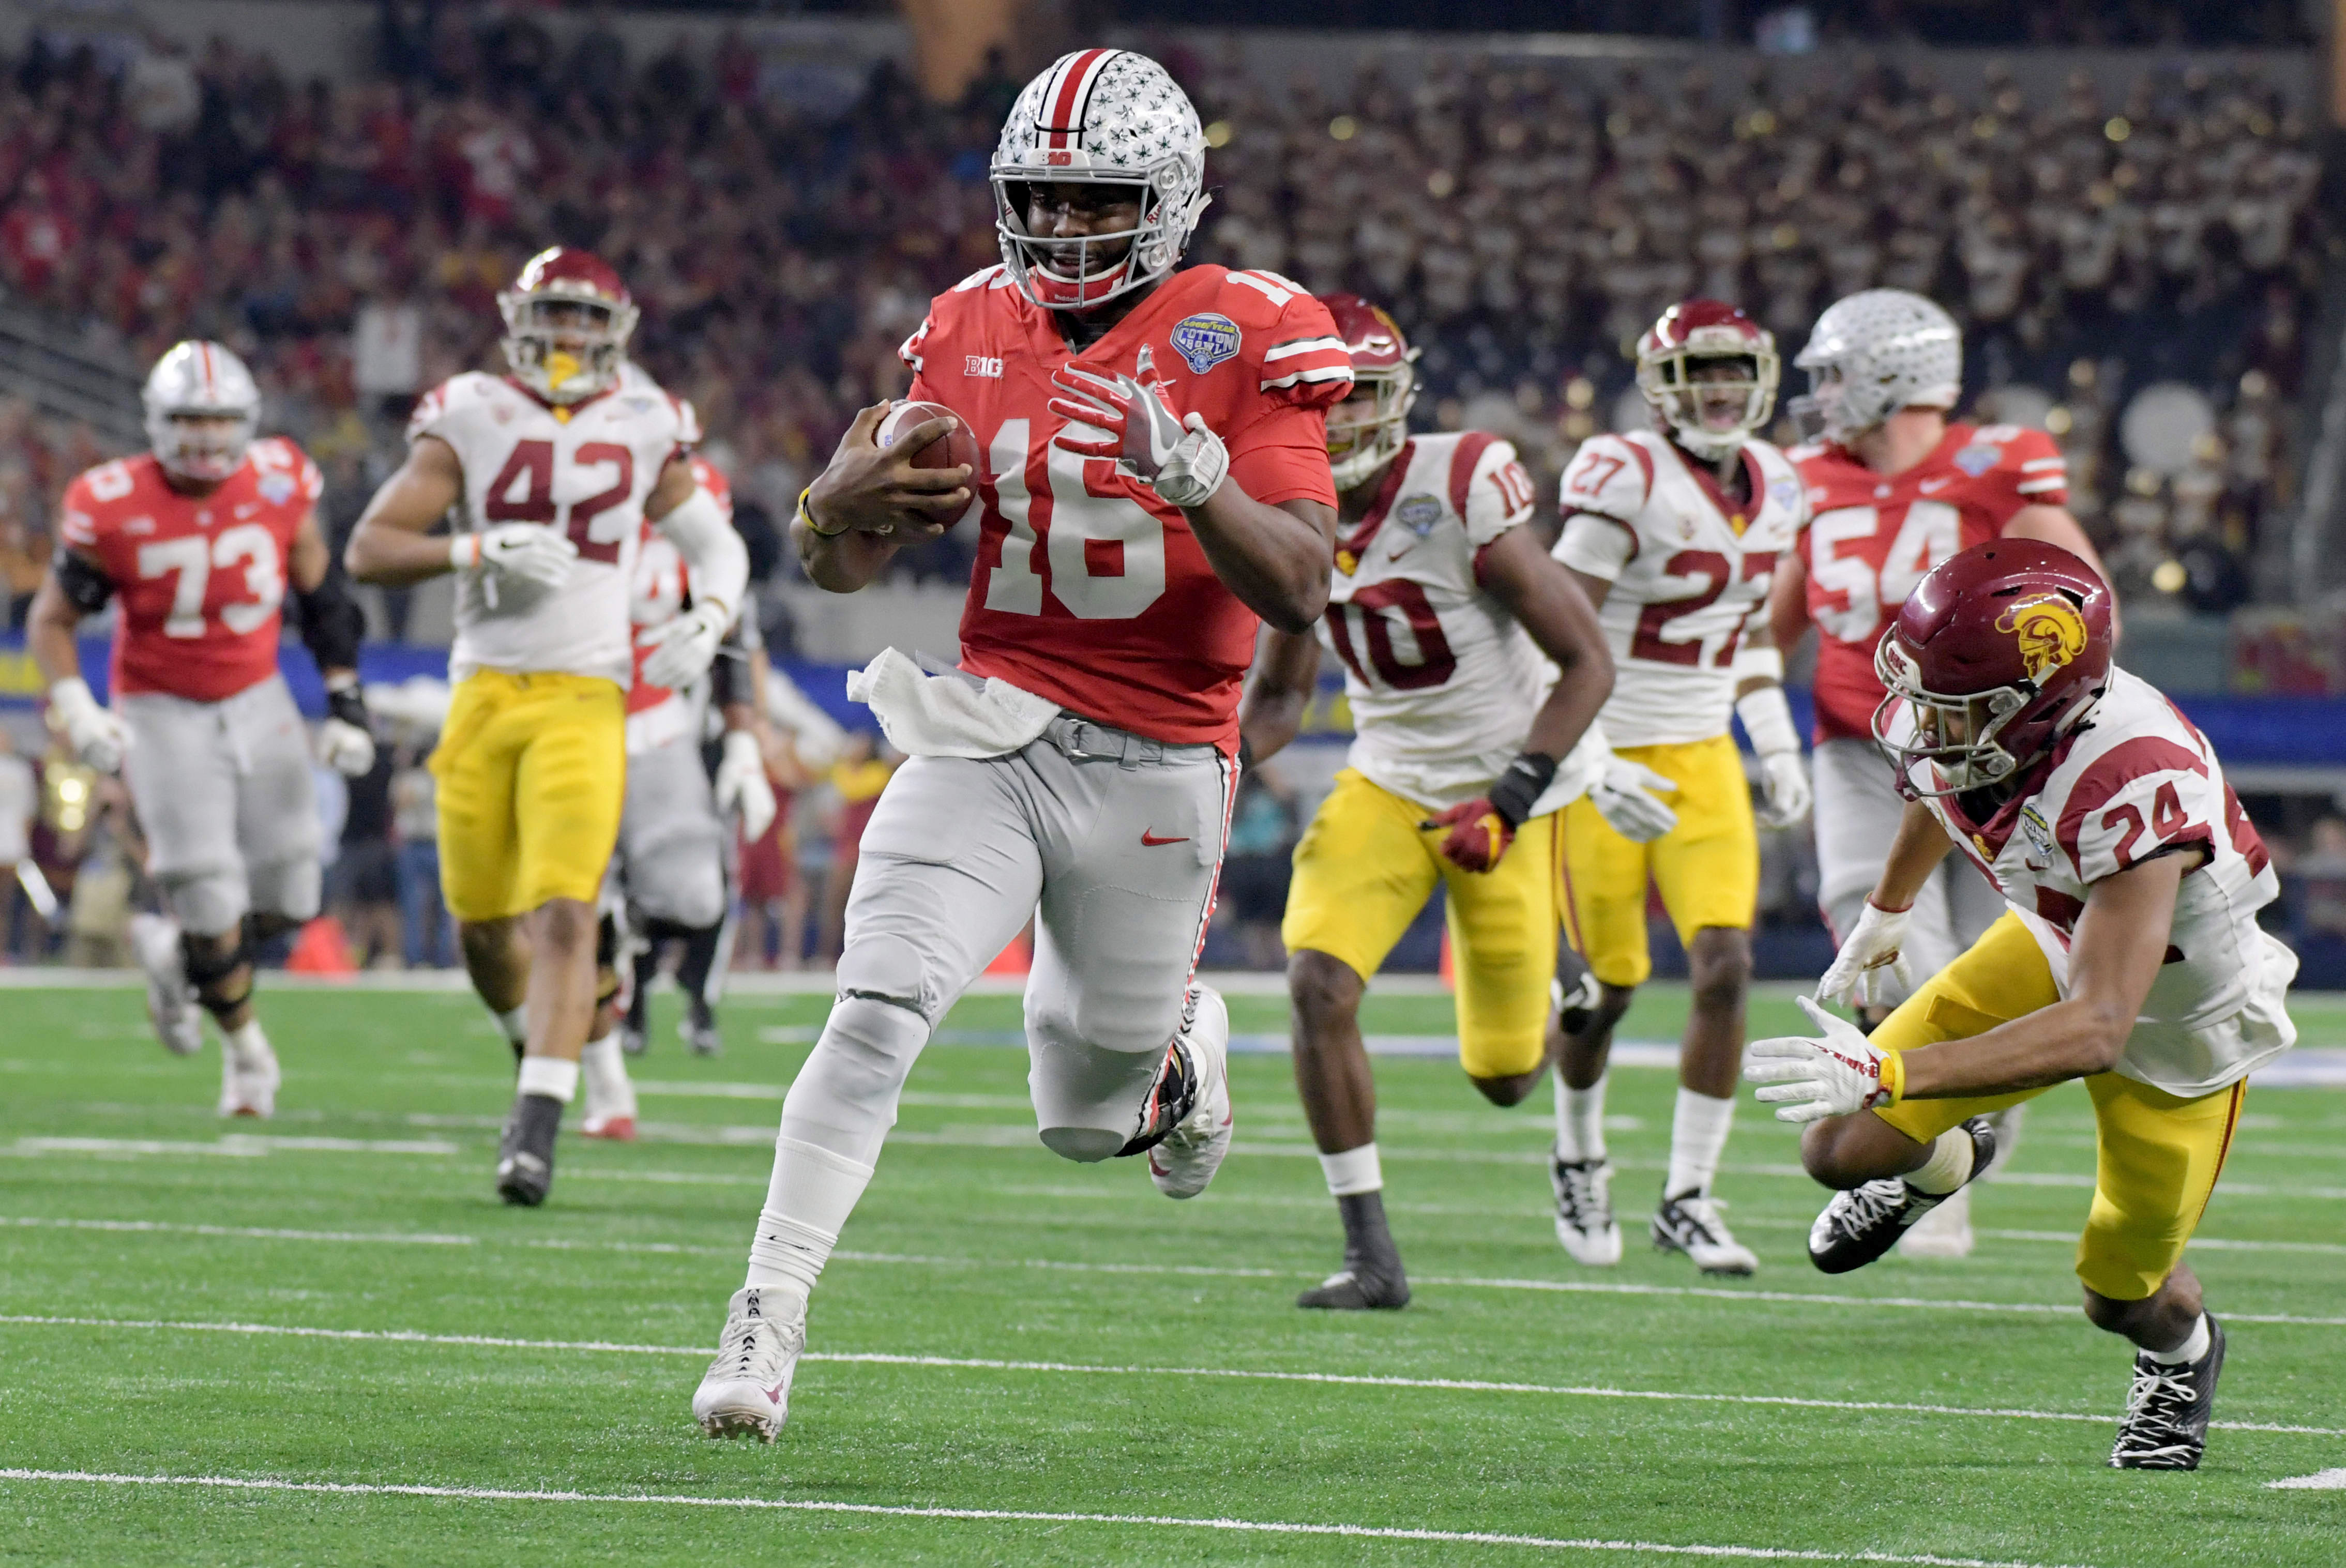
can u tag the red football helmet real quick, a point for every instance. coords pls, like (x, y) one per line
(1999, 652)
(1382, 368)
(1711, 418)
(568, 318)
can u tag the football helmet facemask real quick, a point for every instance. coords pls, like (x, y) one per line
(202, 409)
(1710, 416)
(1382, 369)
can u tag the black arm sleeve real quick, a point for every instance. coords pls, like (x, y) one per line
(86, 587)
(331, 622)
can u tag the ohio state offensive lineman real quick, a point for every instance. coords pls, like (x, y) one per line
(1154, 477)
(200, 537)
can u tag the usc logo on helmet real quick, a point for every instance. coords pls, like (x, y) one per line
(2050, 632)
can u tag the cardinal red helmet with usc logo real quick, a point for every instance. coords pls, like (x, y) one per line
(1999, 652)
(568, 318)
(1383, 366)
(1713, 417)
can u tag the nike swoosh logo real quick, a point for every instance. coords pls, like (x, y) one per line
(774, 1394)
(1149, 838)
(1929, 486)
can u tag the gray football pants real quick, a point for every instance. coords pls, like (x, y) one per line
(227, 801)
(672, 841)
(1857, 814)
(1113, 842)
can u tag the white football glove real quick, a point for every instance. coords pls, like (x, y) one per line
(1835, 1074)
(1788, 795)
(1624, 794)
(346, 748)
(95, 733)
(682, 647)
(741, 784)
(1116, 417)
(527, 551)
(1855, 975)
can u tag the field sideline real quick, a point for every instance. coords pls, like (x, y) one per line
(323, 1340)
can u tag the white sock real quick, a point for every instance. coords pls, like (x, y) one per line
(1353, 1171)
(2195, 1344)
(248, 1042)
(515, 1026)
(1698, 1138)
(812, 1192)
(605, 1071)
(1949, 1166)
(1580, 1120)
(549, 1075)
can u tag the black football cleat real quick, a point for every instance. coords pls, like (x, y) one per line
(1861, 1223)
(1359, 1289)
(526, 1153)
(2165, 1422)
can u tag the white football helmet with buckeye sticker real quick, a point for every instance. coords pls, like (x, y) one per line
(1107, 117)
(1873, 353)
(190, 397)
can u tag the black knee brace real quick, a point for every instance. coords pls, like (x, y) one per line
(209, 971)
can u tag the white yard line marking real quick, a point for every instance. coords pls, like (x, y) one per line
(2320, 1481)
(1002, 1515)
(1240, 1374)
(1207, 1271)
(234, 1144)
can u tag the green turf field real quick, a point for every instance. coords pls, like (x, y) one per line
(1018, 1360)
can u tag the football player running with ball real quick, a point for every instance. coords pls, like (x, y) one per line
(201, 538)
(1442, 604)
(1895, 488)
(1153, 478)
(2129, 955)
(556, 467)
(1676, 533)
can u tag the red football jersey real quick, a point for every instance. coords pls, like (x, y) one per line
(1089, 589)
(200, 580)
(1869, 539)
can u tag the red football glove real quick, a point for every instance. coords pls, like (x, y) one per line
(1118, 418)
(1479, 835)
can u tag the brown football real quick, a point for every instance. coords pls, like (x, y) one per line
(949, 451)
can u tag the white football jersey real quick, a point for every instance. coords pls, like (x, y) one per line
(2136, 779)
(1688, 568)
(586, 470)
(1442, 681)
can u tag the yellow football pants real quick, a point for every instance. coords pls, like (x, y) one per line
(1364, 870)
(1707, 867)
(2157, 1154)
(532, 771)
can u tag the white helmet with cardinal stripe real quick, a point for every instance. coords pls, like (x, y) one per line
(1105, 117)
(191, 387)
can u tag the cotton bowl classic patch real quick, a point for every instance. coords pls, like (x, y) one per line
(1204, 340)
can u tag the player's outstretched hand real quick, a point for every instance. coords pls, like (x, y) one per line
(1116, 417)
(741, 784)
(1625, 796)
(683, 644)
(1478, 834)
(872, 489)
(529, 552)
(1834, 1074)
(1856, 971)
(1788, 795)
(95, 733)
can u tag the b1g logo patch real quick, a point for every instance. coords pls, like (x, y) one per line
(1977, 460)
(1419, 514)
(1204, 340)
(277, 488)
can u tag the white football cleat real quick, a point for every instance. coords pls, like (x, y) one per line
(170, 999)
(1583, 1211)
(1689, 1222)
(1945, 1232)
(248, 1081)
(747, 1389)
(1189, 1156)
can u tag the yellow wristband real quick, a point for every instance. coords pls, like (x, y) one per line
(1894, 1075)
(807, 517)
